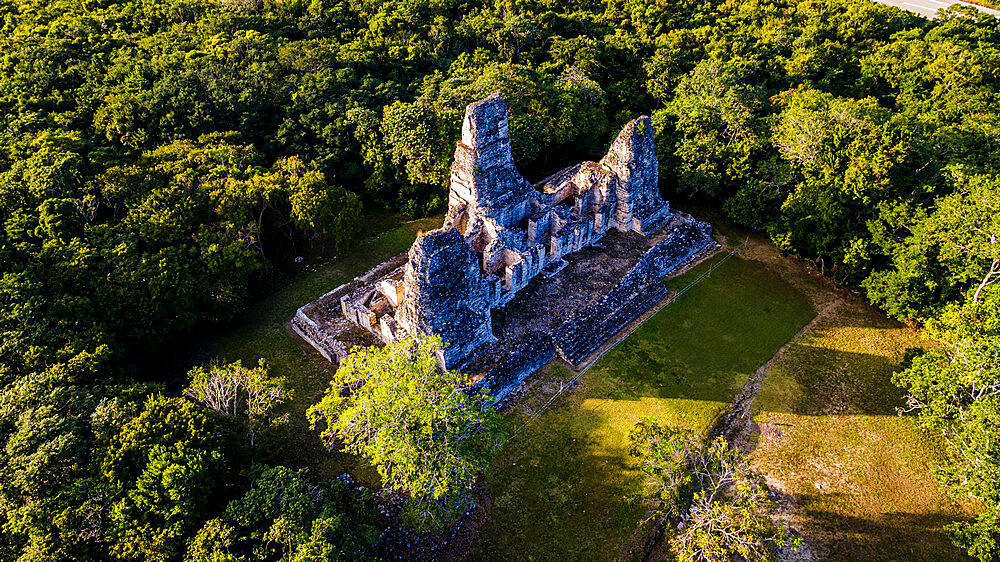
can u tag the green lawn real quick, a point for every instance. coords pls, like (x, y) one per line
(860, 475)
(560, 488)
(263, 332)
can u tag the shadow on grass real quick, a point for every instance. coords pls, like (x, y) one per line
(852, 383)
(889, 536)
(560, 491)
(844, 365)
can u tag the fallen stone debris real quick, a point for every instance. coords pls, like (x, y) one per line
(518, 272)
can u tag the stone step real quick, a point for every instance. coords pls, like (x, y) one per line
(554, 267)
(530, 353)
(584, 333)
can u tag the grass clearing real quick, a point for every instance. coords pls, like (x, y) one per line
(560, 489)
(856, 479)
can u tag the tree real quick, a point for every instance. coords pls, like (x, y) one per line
(283, 516)
(755, 205)
(731, 513)
(967, 225)
(581, 118)
(943, 251)
(330, 210)
(57, 219)
(662, 452)
(814, 126)
(844, 153)
(166, 468)
(717, 114)
(724, 509)
(50, 502)
(954, 388)
(414, 422)
(516, 34)
(246, 394)
(411, 132)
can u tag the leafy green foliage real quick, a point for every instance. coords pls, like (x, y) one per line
(246, 394)
(955, 389)
(284, 517)
(717, 115)
(723, 509)
(160, 159)
(167, 466)
(413, 421)
(952, 249)
(663, 454)
(50, 501)
(755, 205)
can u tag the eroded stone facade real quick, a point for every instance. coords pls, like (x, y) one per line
(500, 232)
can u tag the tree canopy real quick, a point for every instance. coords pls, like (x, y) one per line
(162, 160)
(414, 422)
(721, 510)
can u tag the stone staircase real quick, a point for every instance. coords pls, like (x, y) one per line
(580, 336)
(530, 353)
(637, 292)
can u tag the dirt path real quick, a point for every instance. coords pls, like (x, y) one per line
(735, 424)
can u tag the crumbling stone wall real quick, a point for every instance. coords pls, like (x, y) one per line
(444, 294)
(500, 232)
(529, 355)
(483, 176)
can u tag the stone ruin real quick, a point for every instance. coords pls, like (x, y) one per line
(464, 280)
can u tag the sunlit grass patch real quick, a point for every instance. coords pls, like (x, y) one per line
(862, 485)
(843, 365)
(560, 489)
(860, 477)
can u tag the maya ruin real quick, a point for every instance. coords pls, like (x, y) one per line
(518, 272)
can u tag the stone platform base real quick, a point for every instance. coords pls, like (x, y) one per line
(571, 313)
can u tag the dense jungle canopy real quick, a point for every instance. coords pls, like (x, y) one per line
(161, 159)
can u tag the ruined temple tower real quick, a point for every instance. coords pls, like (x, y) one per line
(501, 232)
(483, 176)
(485, 183)
(632, 159)
(445, 294)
